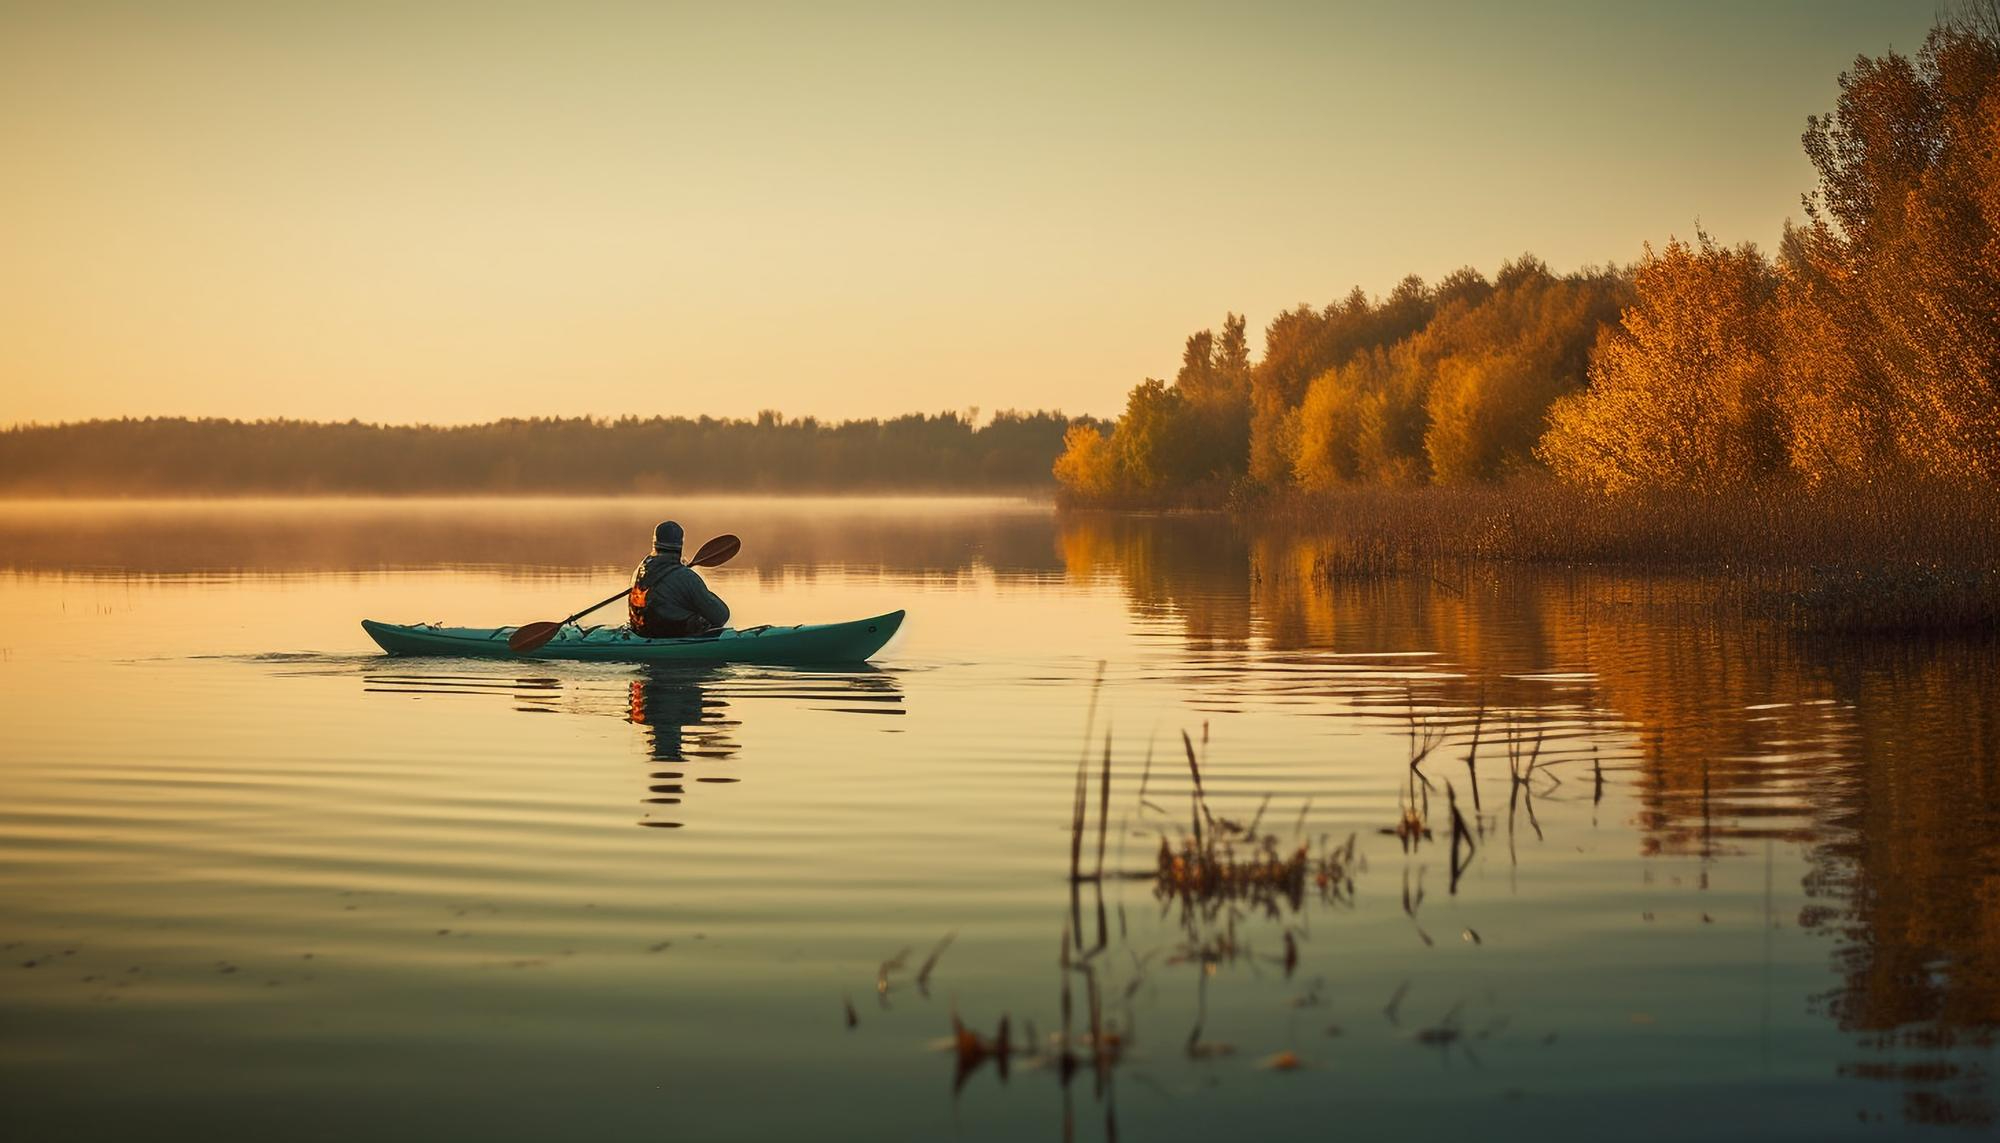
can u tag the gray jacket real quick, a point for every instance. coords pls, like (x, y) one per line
(677, 602)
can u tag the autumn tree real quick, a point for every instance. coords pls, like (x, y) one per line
(1678, 391)
(1214, 382)
(1325, 437)
(1088, 467)
(1303, 343)
(1490, 371)
(1901, 260)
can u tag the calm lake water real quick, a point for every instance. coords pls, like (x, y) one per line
(257, 878)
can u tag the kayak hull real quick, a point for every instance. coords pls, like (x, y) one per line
(805, 644)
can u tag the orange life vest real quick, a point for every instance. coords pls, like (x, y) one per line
(635, 608)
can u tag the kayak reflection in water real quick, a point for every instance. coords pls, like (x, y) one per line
(684, 723)
(669, 599)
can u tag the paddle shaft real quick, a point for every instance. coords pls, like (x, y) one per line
(606, 602)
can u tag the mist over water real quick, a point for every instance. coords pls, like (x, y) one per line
(256, 876)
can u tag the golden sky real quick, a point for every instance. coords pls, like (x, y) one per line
(450, 212)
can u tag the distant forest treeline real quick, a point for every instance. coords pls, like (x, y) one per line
(560, 456)
(1868, 349)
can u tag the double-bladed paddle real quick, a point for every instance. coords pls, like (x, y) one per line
(527, 638)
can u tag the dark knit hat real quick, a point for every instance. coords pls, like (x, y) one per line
(667, 538)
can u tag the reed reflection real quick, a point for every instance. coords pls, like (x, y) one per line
(1882, 760)
(1234, 898)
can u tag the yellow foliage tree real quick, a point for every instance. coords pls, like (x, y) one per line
(1324, 433)
(1490, 372)
(1088, 468)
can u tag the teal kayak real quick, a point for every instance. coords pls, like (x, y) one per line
(804, 644)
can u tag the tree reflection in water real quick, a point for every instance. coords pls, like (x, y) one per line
(1881, 759)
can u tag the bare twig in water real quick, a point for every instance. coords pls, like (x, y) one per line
(1431, 737)
(1200, 796)
(1472, 754)
(1082, 768)
(1522, 776)
(882, 972)
(1394, 1009)
(1251, 829)
(930, 962)
(1076, 819)
(1103, 804)
(1458, 832)
(1146, 771)
(1413, 902)
(1090, 713)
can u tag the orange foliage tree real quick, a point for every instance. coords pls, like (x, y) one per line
(1897, 314)
(1677, 393)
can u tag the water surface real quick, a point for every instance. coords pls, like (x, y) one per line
(257, 877)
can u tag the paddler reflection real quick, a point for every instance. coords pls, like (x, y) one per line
(686, 728)
(684, 713)
(690, 732)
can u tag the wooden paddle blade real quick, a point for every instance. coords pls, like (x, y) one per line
(531, 636)
(718, 551)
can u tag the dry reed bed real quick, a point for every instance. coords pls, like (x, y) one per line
(1868, 559)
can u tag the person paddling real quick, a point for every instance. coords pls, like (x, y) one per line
(669, 600)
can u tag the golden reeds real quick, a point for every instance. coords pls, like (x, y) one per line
(1883, 557)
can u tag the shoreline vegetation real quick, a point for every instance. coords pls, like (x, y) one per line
(1884, 559)
(1833, 412)
(187, 457)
